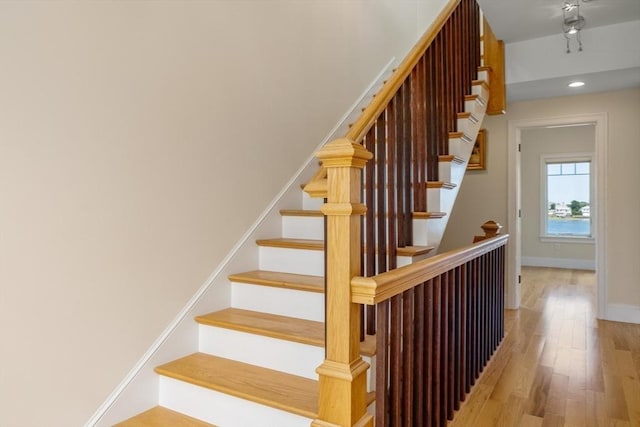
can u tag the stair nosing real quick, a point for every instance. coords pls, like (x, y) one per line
(414, 250)
(301, 213)
(441, 184)
(450, 158)
(287, 243)
(429, 215)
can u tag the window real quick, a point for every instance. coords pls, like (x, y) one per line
(567, 195)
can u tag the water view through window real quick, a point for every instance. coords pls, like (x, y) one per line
(568, 199)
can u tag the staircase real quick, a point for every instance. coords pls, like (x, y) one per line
(256, 360)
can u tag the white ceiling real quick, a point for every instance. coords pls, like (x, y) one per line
(515, 21)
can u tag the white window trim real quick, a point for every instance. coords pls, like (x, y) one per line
(565, 158)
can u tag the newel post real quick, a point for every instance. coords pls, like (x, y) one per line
(490, 228)
(343, 384)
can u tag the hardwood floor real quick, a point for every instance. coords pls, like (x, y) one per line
(558, 365)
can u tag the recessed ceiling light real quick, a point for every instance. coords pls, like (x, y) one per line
(576, 84)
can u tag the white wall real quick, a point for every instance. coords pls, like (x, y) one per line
(535, 143)
(138, 142)
(483, 193)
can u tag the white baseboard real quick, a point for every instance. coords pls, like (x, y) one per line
(623, 313)
(577, 264)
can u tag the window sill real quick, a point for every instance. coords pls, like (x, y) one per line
(568, 239)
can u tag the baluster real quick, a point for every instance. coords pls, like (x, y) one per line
(395, 360)
(420, 348)
(437, 353)
(391, 185)
(381, 202)
(429, 344)
(382, 364)
(462, 384)
(407, 362)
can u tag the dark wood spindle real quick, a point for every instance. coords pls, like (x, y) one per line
(382, 360)
(395, 360)
(408, 354)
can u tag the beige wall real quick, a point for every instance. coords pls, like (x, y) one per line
(535, 143)
(138, 142)
(483, 193)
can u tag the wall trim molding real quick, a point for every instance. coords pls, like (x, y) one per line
(623, 313)
(577, 264)
(302, 175)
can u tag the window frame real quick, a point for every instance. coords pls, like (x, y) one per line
(545, 159)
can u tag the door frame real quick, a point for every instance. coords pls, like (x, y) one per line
(514, 184)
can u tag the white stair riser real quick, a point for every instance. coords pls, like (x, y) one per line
(475, 107)
(460, 146)
(436, 229)
(469, 126)
(303, 227)
(311, 203)
(222, 409)
(481, 91)
(483, 75)
(284, 302)
(406, 260)
(421, 231)
(272, 353)
(280, 355)
(434, 202)
(451, 172)
(297, 261)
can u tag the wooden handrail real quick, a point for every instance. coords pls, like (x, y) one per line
(372, 290)
(317, 186)
(368, 117)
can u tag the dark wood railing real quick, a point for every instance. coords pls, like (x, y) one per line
(409, 135)
(439, 322)
(406, 128)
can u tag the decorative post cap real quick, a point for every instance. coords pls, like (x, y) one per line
(491, 229)
(343, 152)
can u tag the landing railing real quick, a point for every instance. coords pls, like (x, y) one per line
(407, 127)
(438, 323)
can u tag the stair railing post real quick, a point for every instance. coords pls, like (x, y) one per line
(342, 375)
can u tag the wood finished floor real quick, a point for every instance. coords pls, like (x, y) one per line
(558, 365)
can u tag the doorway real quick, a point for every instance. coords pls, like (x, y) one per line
(514, 255)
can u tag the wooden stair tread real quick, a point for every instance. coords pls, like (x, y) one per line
(277, 279)
(450, 158)
(271, 325)
(275, 326)
(480, 83)
(429, 215)
(441, 184)
(414, 250)
(311, 244)
(160, 416)
(460, 135)
(300, 212)
(268, 387)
